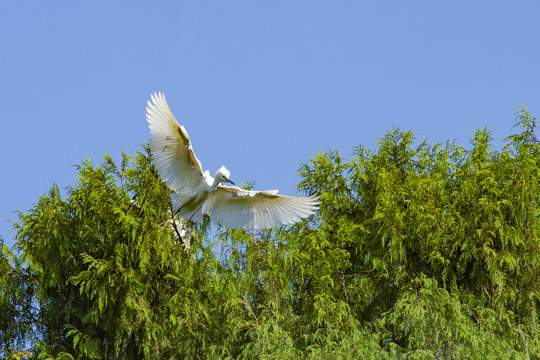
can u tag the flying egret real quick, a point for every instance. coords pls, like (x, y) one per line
(197, 193)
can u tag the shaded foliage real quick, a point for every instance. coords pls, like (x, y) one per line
(418, 251)
(16, 311)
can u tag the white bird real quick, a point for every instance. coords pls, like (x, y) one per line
(197, 193)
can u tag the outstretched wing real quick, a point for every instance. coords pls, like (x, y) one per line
(236, 208)
(171, 148)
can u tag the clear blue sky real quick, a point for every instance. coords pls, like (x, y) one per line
(260, 86)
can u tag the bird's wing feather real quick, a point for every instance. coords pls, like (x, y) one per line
(235, 207)
(173, 154)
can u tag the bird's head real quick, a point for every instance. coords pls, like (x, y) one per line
(222, 175)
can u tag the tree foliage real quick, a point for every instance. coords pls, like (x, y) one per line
(419, 251)
(15, 304)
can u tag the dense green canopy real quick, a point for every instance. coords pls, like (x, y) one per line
(419, 251)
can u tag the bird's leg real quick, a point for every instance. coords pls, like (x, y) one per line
(179, 209)
(253, 238)
(175, 213)
(176, 229)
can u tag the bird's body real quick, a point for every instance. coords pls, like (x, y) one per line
(188, 206)
(197, 193)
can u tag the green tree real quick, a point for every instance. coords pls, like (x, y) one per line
(113, 272)
(16, 293)
(418, 251)
(435, 246)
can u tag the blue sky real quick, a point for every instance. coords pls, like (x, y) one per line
(260, 86)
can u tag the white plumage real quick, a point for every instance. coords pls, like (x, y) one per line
(197, 192)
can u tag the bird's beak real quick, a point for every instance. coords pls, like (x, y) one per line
(229, 181)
